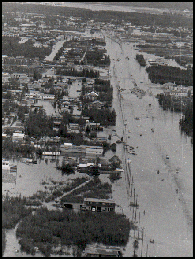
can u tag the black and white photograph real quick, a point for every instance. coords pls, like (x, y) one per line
(97, 129)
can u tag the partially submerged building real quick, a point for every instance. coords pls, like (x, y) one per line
(100, 250)
(98, 205)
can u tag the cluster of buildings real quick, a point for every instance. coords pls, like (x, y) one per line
(178, 91)
(30, 83)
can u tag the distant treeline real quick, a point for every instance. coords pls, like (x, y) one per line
(164, 74)
(164, 20)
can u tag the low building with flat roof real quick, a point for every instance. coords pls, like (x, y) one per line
(100, 250)
(98, 205)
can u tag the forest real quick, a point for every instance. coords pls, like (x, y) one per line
(97, 57)
(164, 74)
(38, 124)
(47, 229)
(11, 47)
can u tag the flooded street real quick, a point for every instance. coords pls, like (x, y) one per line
(165, 199)
(55, 49)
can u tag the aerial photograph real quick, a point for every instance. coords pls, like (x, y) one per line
(97, 129)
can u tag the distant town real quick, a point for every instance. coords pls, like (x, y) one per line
(58, 112)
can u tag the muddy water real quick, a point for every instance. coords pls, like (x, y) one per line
(165, 215)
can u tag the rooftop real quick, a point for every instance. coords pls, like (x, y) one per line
(99, 200)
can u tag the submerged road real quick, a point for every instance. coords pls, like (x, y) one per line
(165, 199)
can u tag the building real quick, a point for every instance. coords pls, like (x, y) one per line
(94, 150)
(98, 205)
(48, 97)
(18, 136)
(89, 168)
(93, 125)
(100, 250)
(92, 96)
(69, 147)
(73, 128)
(96, 104)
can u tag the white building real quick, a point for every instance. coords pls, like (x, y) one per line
(18, 136)
(95, 150)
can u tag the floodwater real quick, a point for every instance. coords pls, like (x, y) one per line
(55, 49)
(12, 246)
(165, 199)
(30, 176)
(104, 7)
(164, 214)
